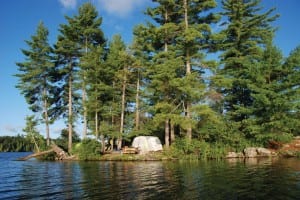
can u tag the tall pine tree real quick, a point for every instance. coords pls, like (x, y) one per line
(242, 44)
(37, 76)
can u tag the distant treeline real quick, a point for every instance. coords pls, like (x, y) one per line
(15, 144)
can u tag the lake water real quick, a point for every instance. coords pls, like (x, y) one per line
(228, 179)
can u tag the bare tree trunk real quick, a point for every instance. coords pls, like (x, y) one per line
(84, 97)
(84, 112)
(112, 119)
(35, 143)
(122, 110)
(46, 118)
(172, 133)
(188, 72)
(137, 104)
(167, 121)
(96, 125)
(70, 116)
(167, 133)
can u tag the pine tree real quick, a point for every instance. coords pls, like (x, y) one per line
(119, 62)
(242, 44)
(37, 75)
(67, 54)
(191, 44)
(99, 90)
(291, 91)
(87, 27)
(32, 134)
(179, 44)
(140, 51)
(165, 66)
(267, 109)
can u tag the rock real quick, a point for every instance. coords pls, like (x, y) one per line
(240, 155)
(263, 152)
(232, 154)
(297, 145)
(250, 152)
(288, 153)
(297, 138)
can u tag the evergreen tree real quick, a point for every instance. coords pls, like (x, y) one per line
(119, 62)
(98, 91)
(291, 90)
(165, 68)
(89, 35)
(192, 41)
(32, 133)
(242, 44)
(140, 51)
(67, 54)
(268, 108)
(37, 76)
(80, 36)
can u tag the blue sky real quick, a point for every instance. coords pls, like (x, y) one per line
(19, 19)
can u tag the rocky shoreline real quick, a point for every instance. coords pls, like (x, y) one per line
(291, 149)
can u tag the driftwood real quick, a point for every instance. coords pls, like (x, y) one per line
(60, 153)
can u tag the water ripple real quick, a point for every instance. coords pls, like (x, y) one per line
(249, 179)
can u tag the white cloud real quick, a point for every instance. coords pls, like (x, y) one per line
(120, 8)
(68, 4)
(11, 129)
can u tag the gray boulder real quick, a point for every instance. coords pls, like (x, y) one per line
(263, 152)
(232, 154)
(250, 152)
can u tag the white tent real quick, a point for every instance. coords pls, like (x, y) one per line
(147, 143)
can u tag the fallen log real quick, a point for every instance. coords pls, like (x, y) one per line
(60, 154)
(36, 155)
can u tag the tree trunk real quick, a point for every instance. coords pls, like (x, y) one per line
(96, 125)
(188, 72)
(70, 117)
(167, 133)
(172, 133)
(167, 121)
(84, 132)
(137, 104)
(34, 141)
(60, 153)
(112, 117)
(188, 116)
(84, 97)
(46, 118)
(122, 110)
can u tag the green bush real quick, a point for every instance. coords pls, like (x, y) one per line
(264, 139)
(88, 149)
(196, 149)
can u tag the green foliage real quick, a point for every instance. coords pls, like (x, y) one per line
(157, 86)
(88, 149)
(15, 144)
(196, 149)
(62, 140)
(33, 135)
(264, 139)
(37, 77)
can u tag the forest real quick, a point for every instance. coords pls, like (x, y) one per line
(180, 79)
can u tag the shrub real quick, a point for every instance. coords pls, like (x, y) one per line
(265, 139)
(88, 149)
(196, 149)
